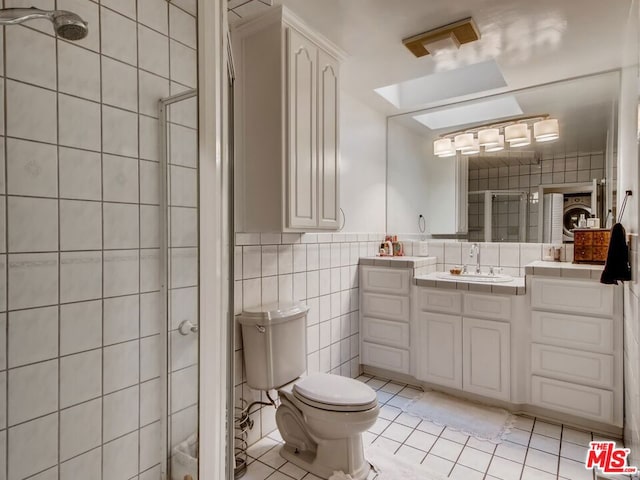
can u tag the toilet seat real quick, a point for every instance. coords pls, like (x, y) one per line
(335, 393)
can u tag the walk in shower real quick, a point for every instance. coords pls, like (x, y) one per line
(99, 212)
(498, 216)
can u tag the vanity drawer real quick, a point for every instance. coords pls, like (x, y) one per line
(395, 281)
(493, 307)
(573, 399)
(439, 300)
(385, 332)
(595, 369)
(391, 307)
(590, 298)
(389, 358)
(585, 333)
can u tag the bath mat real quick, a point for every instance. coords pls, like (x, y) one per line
(392, 467)
(474, 419)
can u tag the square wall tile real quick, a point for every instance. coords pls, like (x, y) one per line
(80, 174)
(184, 350)
(120, 413)
(33, 280)
(154, 51)
(182, 26)
(31, 112)
(31, 57)
(79, 123)
(118, 36)
(33, 447)
(80, 276)
(149, 354)
(149, 226)
(150, 270)
(119, 132)
(121, 318)
(184, 69)
(184, 145)
(80, 429)
(149, 138)
(149, 182)
(80, 377)
(184, 267)
(121, 366)
(150, 445)
(78, 71)
(121, 272)
(150, 402)
(80, 326)
(33, 224)
(87, 465)
(150, 313)
(119, 84)
(33, 335)
(152, 88)
(183, 184)
(121, 225)
(32, 168)
(150, 15)
(33, 391)
(121, 457)
(125, 7)
(80, 225)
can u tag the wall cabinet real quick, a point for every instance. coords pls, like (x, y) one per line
(286, 126)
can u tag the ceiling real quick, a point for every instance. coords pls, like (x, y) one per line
(532, 43)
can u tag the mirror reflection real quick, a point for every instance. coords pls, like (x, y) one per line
(532, 190)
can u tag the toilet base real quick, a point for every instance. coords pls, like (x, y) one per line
(322, 462)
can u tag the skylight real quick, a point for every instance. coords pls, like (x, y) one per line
(440, 86)
(466, 114)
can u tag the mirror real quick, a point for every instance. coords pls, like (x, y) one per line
(501, 196)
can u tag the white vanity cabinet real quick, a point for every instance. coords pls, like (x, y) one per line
(286, 125)
(384, 318)
(576, 348)
(461, 345)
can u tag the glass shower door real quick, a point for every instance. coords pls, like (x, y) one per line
(180, 274)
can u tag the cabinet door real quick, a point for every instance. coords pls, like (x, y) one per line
(301, 202)
(439, 349)
(328, 141)
(486, 358)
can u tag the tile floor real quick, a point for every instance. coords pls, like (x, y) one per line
(534, 450)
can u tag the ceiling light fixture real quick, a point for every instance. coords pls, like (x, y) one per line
(452, 36)
(493, 137)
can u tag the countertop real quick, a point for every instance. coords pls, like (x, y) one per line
(564, 269)
(514, 287)
(398, 262)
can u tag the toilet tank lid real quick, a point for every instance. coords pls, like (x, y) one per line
(272, 313)
(334, 390)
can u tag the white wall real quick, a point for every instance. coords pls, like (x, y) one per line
(408, 153)
(363, 152)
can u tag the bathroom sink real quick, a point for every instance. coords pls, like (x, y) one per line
(476, 277)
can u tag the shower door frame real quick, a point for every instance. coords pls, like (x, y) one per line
(488, 210)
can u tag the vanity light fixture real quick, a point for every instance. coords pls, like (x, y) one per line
(443, 147)
(463, 141)
(493, 137)
(546, 130)
(475, 148)
(516, 132)
(498, 147)
(489, 137)
(522, 142)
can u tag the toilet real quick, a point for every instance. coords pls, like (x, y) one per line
(321, 417)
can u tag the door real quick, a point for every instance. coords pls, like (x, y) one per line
(302, 159)
(439, 360)
(328, 138)
(486, 358)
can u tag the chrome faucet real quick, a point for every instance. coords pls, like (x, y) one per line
(475, 250)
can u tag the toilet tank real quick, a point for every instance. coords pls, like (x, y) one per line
(274, 342)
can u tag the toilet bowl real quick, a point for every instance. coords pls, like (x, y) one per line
(321, 418)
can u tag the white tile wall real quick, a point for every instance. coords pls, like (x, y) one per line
(272, 267)
(79, 240)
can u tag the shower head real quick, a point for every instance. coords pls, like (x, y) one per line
(67, 25)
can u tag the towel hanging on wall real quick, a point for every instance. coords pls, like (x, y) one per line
(617, 267)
